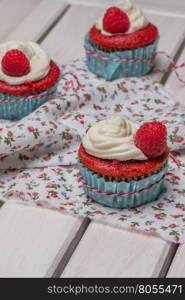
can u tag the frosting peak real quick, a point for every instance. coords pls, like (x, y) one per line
(113, 139)
(124, 5)
(38, 58)
(135, 15)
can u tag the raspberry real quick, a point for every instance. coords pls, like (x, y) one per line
(15, 63)
(150, 138)
(115, 20)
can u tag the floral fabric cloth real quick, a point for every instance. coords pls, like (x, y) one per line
(39, 153)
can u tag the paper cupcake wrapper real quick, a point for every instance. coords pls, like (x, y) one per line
(111, 70)
(15, 107)
(145, 193)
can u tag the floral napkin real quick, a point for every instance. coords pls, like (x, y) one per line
(38, 153)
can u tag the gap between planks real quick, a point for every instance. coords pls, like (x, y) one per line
(33, 240)
(53, 24)
(107, 251)
(169, 258)
(71, 248)
(176, 57)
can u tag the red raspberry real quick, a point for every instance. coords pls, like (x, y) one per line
(115, 20)
(15, 63)
(150, 138)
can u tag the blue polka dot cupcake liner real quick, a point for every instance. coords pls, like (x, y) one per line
(138, 62)
(15, 107)
(122, 194)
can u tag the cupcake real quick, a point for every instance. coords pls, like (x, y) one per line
(28, 78)
(123, 165)
(122, 43)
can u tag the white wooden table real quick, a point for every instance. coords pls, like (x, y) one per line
(36, 242)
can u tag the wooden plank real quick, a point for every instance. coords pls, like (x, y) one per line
(33, 240)
(40, 18)
(105, 251)
(12, 13)
(23, 226)
(164, 7)
(177, 268)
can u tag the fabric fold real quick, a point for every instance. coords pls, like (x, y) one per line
(39, 153)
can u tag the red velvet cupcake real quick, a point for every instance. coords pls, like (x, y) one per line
(121, 43)
(123, 165)
(28, 78)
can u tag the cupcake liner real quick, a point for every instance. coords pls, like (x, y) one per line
(98, 183)
(111, 70)
(15, 107)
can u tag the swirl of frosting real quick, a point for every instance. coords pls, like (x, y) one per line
(113, 139)
(38, 58)
(135, 15)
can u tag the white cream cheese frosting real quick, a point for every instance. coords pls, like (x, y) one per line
(135, 15)
(113, 139)
(38, 58)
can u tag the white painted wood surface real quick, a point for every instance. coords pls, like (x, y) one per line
(40, 18)
(177, 268)
(164, 7)
(173, 85)
(105, 251)
(12, 13)
(70, 32)
(41, 265)
(33, 240)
